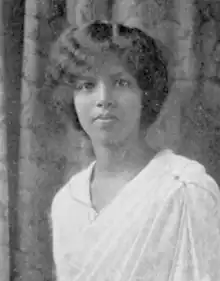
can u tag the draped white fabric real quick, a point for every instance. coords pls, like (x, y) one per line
(163, 225)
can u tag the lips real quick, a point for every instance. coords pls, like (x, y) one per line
(106, 117)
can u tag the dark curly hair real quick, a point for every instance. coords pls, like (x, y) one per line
(76, 50)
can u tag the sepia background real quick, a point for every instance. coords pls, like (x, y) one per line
(39, 151)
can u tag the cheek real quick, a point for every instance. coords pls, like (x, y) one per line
(131, 106)
(83, 108)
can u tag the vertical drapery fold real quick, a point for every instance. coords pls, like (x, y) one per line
(182, 70)
(26, 258)
(33, 258)
(4, 222)
(45, 146)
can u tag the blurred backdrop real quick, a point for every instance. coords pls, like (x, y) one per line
(39, 151)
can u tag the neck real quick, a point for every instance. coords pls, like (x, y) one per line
(113, 159)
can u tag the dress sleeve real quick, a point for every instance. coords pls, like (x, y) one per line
(61, 270)
(197, 255)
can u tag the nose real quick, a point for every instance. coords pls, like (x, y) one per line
(105, 95)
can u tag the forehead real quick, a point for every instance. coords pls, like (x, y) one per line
(107, 66)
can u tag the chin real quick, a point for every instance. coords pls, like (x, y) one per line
(108, 139)
(117, 136)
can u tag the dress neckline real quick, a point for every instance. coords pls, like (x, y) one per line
(120, 192)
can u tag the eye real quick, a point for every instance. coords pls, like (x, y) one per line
(121, 82)
(85, 86)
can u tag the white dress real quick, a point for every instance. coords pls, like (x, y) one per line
(164, 225)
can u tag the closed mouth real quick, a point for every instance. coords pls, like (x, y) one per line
(106, 117)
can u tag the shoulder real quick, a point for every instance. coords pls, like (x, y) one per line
(73, 189)
(193, 176)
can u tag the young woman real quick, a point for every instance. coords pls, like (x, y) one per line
(133, 214)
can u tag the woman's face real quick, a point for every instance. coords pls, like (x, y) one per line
(108, 104)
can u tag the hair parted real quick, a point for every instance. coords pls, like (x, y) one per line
(76, 50)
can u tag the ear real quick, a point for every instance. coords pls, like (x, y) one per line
(90, 10)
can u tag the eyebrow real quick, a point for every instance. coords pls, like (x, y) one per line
(119, 73)
(93, 76)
